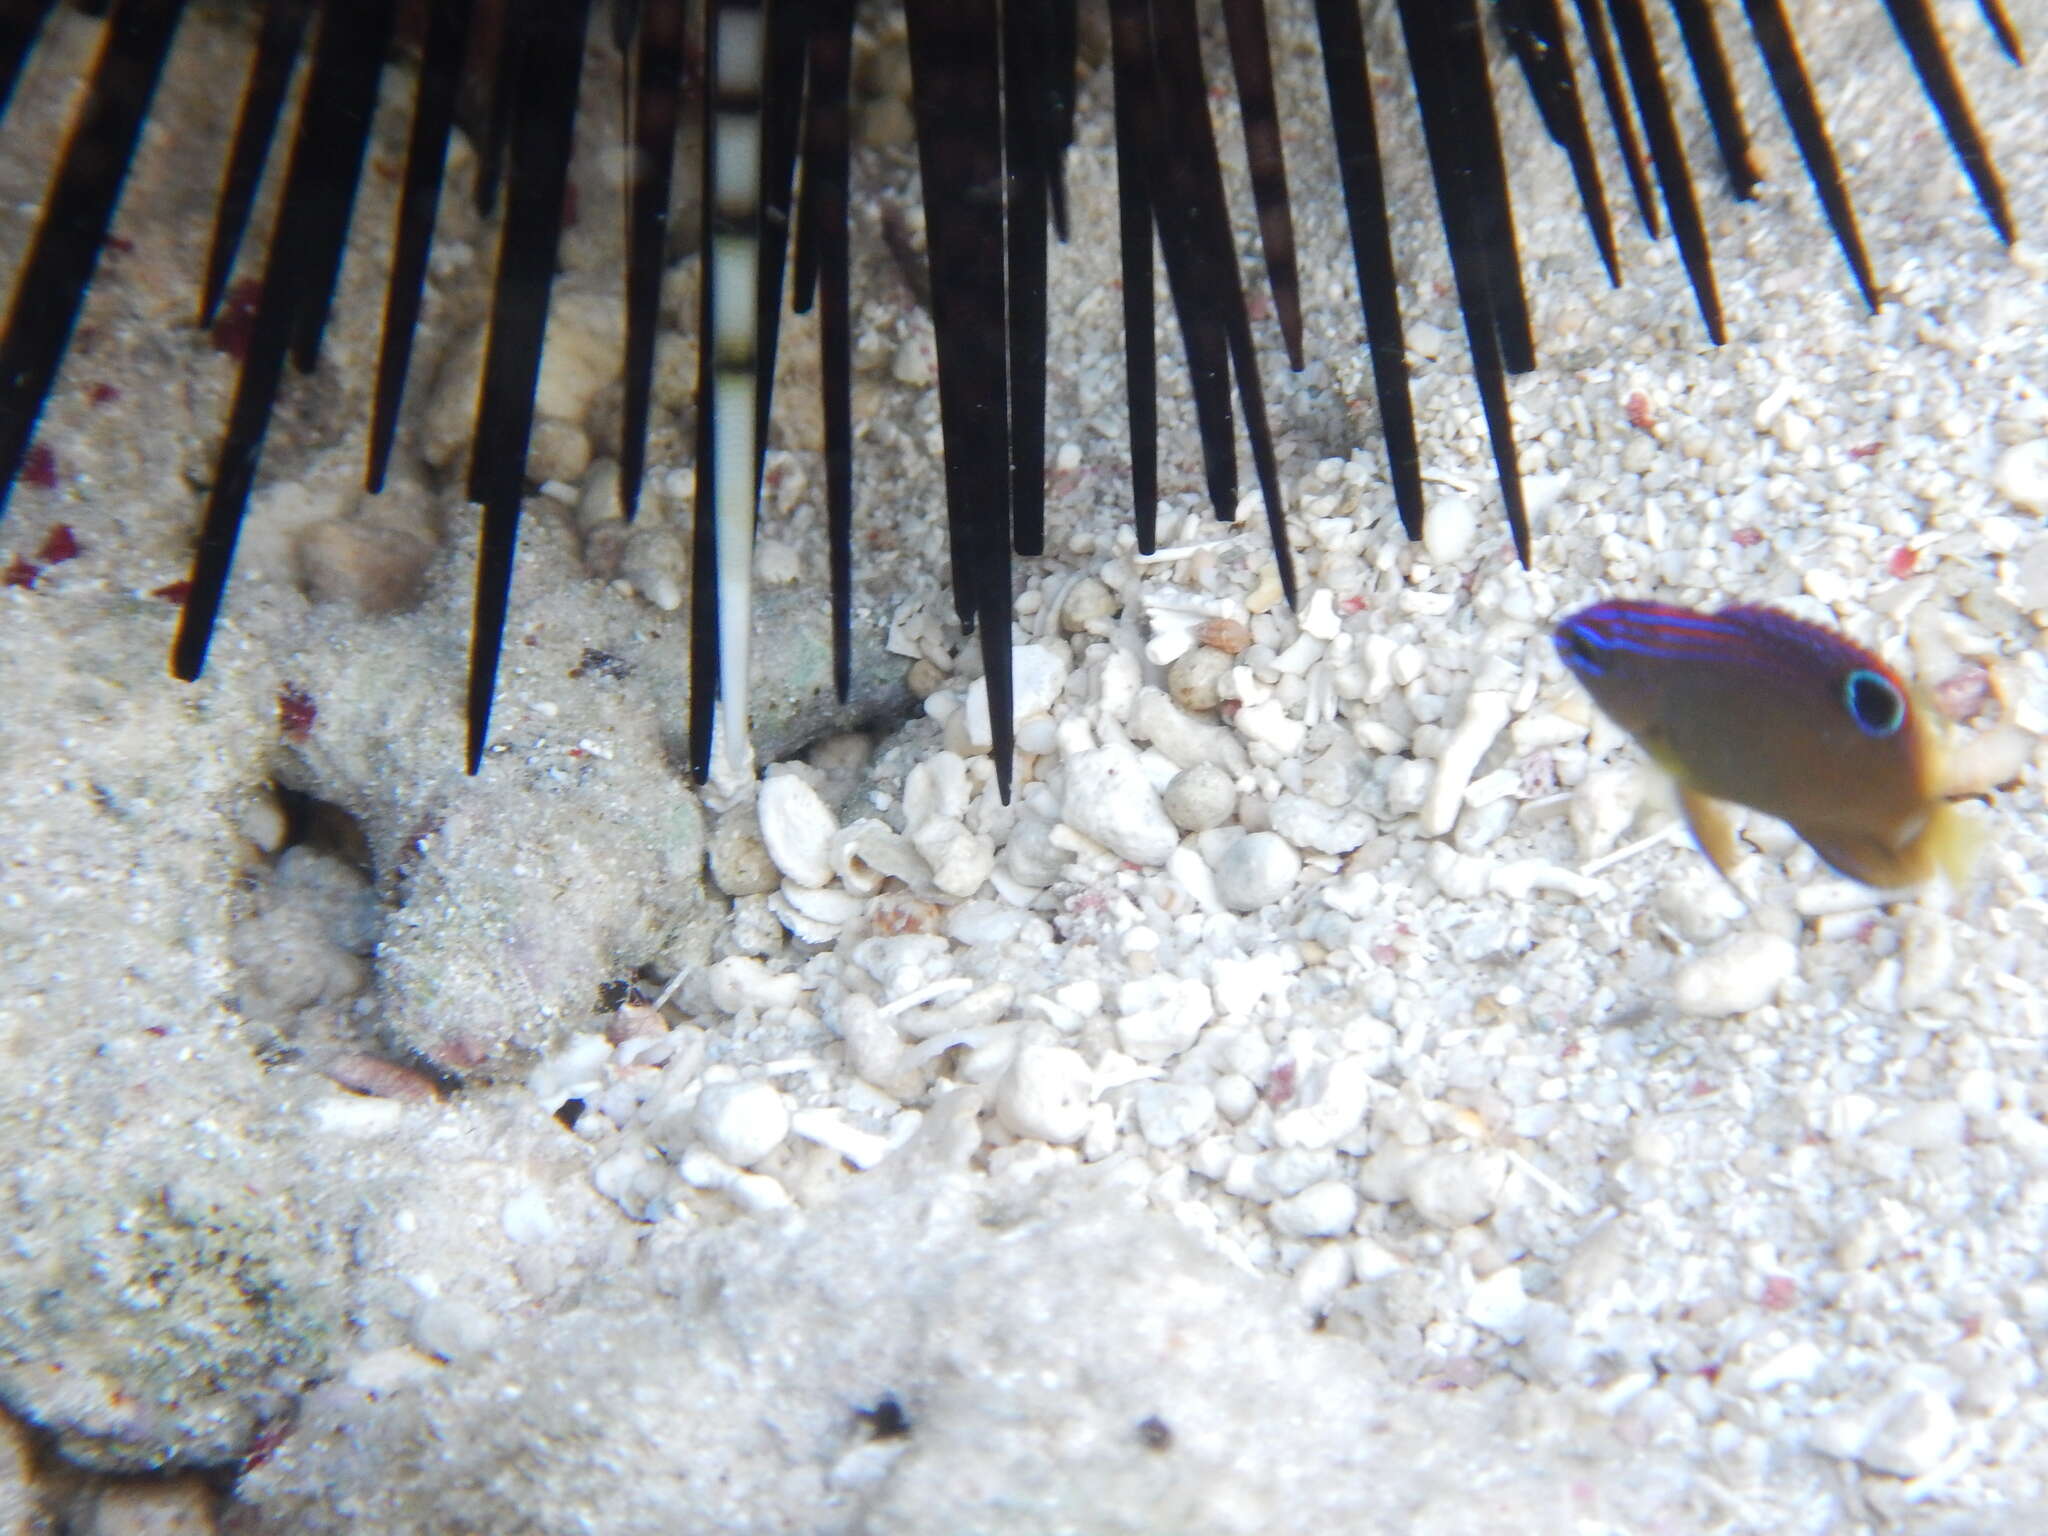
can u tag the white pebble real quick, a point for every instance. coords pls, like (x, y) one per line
(916, 360)
(829, 1129)
(582, 353)
(1319, 619)
(742, 1122)
(1499, 1305)
(1927, 1127)
(1161, 1016)
(1699, 904)
(1087, 601)
(1793, 431)
(449, 1329)
(740, 981)
(2021, 476)
(960, 860)
(1322, 1275)
(1172, 1113)
(1308, 823)
(1744, 973)
(1603, 807)
(1486, 714)
(1333, 1105)
(756, 1192)
(1181, 738)
(1195, 680)
(1326, 1209)
(1270, 725)
(1991, 757)
(1256, 871)
(527, 1218)
(1045, 1095)
(1799, 1362)
(1037, 675)
(1236, 1095)
(798, 828)
(1913, 1432)
(1109, 799)
(353, 1115)
(936, 787)
(1450, 528)
(1200, 797)
(1928, 960)
(1458, 1189)
(633, 1180)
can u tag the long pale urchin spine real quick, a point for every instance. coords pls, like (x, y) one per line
(737, 34)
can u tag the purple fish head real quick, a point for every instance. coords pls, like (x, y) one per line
(1614, 650)
(1590, 641)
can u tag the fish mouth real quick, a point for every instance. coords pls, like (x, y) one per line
(1581, 645)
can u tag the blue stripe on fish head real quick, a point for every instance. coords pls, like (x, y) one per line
(1580, 646)
(1595, 643)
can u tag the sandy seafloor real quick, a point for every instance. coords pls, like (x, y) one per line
(1497, 1168)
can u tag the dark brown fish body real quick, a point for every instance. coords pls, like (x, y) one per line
(1753, 706)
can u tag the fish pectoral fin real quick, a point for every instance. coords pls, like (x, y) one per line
(1709, 825)
(1862, 856)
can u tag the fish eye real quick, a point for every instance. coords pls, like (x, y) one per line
(1873, 702)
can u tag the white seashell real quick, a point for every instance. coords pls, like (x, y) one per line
(797, 828)
(814, 914)
(866, 852)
